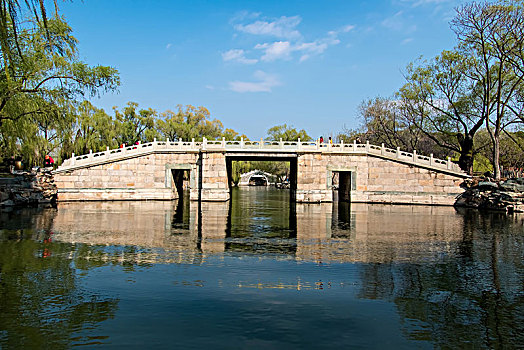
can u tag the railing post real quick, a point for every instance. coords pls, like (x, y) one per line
(367, 146)
(431, 159)
(318, 143)
(223, 142)
(261, 143)
(299, 145)
(193, 142)
(107, 152)
(341, 144)
(241, 142)
(72, 159)
(204, 143)
(449, 163)
(281, 143)
(354, 145)
(398, 152)
(90, 154)
(414, 156)
(382, 149)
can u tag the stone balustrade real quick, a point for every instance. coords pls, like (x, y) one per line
(264, 146)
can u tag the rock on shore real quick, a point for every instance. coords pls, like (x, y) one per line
(28, 189)
(485, 193)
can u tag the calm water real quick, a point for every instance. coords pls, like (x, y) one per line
(260, 272)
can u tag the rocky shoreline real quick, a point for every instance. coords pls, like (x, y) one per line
(485, 193)
(28, 189)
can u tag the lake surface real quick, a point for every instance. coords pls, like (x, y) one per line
(260, 272)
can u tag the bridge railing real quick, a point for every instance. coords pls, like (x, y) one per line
(266, 145)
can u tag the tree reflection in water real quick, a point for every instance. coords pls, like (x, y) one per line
(454, 276)
(42, 303)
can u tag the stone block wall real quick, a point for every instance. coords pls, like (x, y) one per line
(385, 181)
(134, 178)
(312, 185)
(375, 180)
(215, 185)
(149, 176)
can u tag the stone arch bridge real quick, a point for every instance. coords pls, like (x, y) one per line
(155, 171)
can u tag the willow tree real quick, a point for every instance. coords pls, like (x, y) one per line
(287, 133)
(41, 85)
(191, 122)
(134, 124)
(11, 14)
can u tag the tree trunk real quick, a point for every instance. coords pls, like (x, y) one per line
(496, 157)
(466, 154)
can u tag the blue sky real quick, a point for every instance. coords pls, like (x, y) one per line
(257, 64)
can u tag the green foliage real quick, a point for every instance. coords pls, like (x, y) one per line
(511, 149)
(192, 122)
(89, 128)
(447, 100)
(287, 133)
(132, 124)
(40, 86)
(280, 169)
(482, 165)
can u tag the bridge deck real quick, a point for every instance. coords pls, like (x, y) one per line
(261, 146)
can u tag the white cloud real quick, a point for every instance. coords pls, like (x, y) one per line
(316, 47)
(284, 49)
(168, 46)
(347, 28)
(416, 3)
(442, 8)
(244, 15)
(304, 57)
(406, 41)
(264, 84)
(398, 22)
(275, 51)
(238, 55)
(284, 27)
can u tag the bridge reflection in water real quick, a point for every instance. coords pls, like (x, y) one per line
(171, 272)
(260, 221)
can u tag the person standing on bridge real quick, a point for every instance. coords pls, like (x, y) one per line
(48, 161)
(330, 141)
(321, 139)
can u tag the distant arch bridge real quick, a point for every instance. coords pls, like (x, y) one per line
(245, 179)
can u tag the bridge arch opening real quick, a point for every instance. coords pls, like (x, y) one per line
(283, 167)
(180, 181)
(342, 184)
(181, 178)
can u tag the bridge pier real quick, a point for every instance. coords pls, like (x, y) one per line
(312, 179)
(214, 184)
